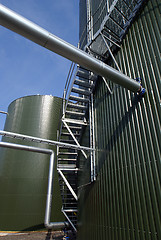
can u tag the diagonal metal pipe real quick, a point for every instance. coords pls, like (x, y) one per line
(35, 33)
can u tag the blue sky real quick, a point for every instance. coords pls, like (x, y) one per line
(25, 67)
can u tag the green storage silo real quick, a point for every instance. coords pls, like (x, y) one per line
(24, 175)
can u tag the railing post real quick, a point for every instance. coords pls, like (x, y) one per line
(64, 97)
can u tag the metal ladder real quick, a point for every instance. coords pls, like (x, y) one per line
(77, 100)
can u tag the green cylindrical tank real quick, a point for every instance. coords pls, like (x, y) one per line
(24, 175)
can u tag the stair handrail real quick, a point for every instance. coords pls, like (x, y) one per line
(65, 92)
(69, 77)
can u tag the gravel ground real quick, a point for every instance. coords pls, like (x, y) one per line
(32, 236)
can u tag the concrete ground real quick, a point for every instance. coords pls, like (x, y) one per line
(57, 235)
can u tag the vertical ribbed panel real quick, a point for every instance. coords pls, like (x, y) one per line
(125, 201)
(82, 23)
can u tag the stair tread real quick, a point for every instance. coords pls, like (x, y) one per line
(69, 166)
(67, 159)
(77, 128)
(81, 91)
(68, 153)
(67, 140)
(83, 83)
(70, 210)
(83, 74)
(68, 134)
(79, 99)
(77, 106)
(75, 113)
(75, 121)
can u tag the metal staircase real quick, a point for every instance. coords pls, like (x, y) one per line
(107, 24)
(77, 100)
(102, 39)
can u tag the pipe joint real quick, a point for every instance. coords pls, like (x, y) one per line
(56, 225)
(142, 91)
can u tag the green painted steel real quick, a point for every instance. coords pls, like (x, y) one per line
(24, 175)
(82, 24)
(125, 201)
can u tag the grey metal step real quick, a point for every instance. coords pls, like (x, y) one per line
(77, 106)
(79, 114)
(83, 83)
(75, 121)
(67, 170)
(70, 210)
(70, 215)
(64, 148)
(76, 128)
(81, 91)
(78, 99)
(81, 73)
(69, 135)
(67, 159)
(68, 195)
(65, 134)
(68, 153)
(62, 183)
(71, 203)
(67, 203)
(67, 167)
(67, 141)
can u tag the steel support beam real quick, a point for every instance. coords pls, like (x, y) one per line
(69, 130)
(64, 212)
(68, 185)
(111, 53)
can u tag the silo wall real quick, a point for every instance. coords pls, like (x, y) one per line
(24, 175)
(124, 202)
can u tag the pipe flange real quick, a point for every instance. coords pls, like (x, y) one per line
(141, 92)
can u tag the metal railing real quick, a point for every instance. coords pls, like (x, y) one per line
(42, 140)
(68, 85)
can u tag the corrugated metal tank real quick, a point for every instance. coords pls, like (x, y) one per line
(24, 175)
(124, 202)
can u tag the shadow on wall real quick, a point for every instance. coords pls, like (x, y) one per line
(127, 117)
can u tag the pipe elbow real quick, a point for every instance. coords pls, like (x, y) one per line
(56, 225)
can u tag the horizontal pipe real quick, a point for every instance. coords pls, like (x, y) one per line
(47, 223)
(35, 33)
(26, 148)
(3, 112)
(42, 140)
